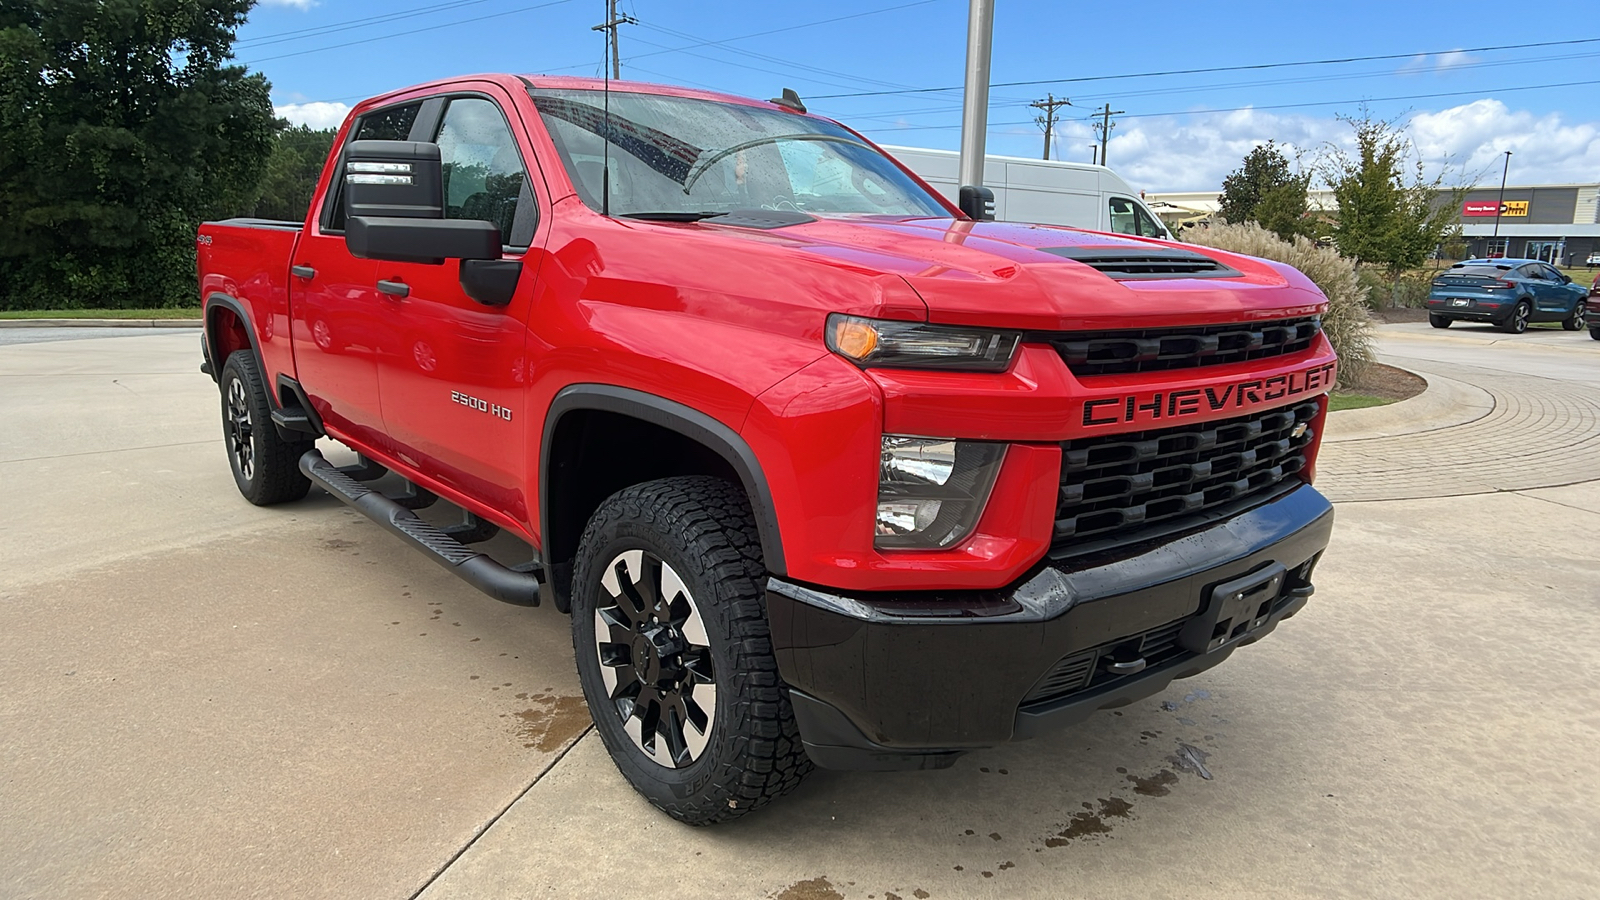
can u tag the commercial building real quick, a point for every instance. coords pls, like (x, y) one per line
(1558, 223)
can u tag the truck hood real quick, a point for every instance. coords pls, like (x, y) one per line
(1049, 278)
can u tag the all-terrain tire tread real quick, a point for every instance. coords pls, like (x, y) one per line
(713, 520)
(278, 478)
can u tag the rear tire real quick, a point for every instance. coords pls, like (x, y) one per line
(1517, 322)
(1438, 321)
(1576, 321)
(265, 467)
(668, 601)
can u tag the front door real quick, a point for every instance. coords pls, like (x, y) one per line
(453, 379)
(337, 313)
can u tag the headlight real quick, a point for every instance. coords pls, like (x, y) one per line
(932, 490)
(911, 345)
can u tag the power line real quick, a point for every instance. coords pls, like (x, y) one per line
(384, 37)
(1212, 69)
(745, 37)
(1213, 112)
(319, 30)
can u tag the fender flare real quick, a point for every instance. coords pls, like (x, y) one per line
(673, 416)
(217, 298)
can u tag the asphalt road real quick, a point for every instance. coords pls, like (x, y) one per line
(208, 699)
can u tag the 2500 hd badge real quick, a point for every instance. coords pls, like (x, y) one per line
(1154, 405)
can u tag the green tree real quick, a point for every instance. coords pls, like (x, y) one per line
(1265, 189)
(124, 128)
(292, 171)
(1386, 218)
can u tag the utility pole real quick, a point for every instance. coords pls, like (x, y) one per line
(1105, 127)
(609, 26)
(975, 100)
(1501, 207)
(1094, 154)
(1049, 104)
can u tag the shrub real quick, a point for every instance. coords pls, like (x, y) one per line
(1345, 321)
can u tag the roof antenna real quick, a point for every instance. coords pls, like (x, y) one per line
(790, 100)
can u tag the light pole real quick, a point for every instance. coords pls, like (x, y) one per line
(1500, 208)
(975, 101)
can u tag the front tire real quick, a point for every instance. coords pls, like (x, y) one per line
(1575, 322)
(1594, 333)
(670, 633)
(1517, 322)
(265, 466)
(1438, 321)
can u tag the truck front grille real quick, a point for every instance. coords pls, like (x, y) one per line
(1116, 485)
(1157, 349)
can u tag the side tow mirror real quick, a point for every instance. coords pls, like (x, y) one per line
(977, 202)
(398, 179)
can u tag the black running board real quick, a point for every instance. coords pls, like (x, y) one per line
(478, 570)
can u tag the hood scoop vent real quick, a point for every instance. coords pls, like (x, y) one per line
(1137, 264)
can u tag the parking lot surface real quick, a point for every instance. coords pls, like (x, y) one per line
(208, 699)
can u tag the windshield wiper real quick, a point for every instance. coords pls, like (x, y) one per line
(667, 216)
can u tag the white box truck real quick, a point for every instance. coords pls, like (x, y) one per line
(1045, 192)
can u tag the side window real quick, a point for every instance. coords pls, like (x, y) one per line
(1124, 218)
(1148, 227)
(483, 173)
(392, 123)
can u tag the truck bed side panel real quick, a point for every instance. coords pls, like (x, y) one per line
(247, 260)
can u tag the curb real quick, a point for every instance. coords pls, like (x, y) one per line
(100, 323)
(1444, 403)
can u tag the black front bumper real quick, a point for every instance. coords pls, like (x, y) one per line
(907, 681)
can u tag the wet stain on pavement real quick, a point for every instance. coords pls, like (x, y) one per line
(1157, 785)
(1092, 822)
(811, 889)
(551, 722)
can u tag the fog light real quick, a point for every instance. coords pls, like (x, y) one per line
(931, 491)
(906, 516)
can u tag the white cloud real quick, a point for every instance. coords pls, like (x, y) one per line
(316, 115)
(295, 4)
(1196, 153)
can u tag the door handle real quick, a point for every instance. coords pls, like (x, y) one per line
(302, 271)
(394, 288)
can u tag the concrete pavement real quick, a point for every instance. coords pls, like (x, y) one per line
(207, 699)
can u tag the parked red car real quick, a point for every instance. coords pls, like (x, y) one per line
(826, 471)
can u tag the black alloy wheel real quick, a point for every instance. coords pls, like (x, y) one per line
(670, 634)
(1517, 322)
(655, 658)
(1438, 321)
(1576, 321)
(265, 467)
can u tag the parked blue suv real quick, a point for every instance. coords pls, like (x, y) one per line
(1506, 293)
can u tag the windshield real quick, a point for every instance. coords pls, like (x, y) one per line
(676, 155)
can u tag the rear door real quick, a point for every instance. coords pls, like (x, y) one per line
(453, 378)
(1545, 285)
(338, 316)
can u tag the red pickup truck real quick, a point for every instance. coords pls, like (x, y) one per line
(825, 470)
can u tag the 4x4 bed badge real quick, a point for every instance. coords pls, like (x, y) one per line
(1159, 405)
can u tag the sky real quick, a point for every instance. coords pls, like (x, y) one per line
(892, 69)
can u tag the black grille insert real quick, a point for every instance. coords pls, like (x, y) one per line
(1157, 349)
(1119, 484)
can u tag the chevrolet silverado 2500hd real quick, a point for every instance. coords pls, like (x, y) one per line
(825, 471)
